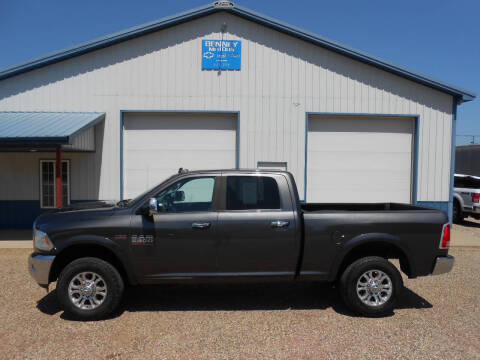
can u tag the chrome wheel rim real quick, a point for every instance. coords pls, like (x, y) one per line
(87, 290)
(374, 288)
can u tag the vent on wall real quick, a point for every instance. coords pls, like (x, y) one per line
(223, 4)
(272, 165)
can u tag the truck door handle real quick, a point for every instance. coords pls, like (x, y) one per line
(200, 225)
(279, 224)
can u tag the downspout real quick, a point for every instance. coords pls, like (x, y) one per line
(58, 177)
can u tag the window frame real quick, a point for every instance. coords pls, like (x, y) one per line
(225, 189)
(67, 161)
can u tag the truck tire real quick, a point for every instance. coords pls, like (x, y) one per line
(458, 215)
(371, 286)
(89, 288)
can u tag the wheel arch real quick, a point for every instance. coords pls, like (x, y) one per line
(457, 197)
(386, 246)
(89, 249)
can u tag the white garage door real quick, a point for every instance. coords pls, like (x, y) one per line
(359, 159)
(156, 145)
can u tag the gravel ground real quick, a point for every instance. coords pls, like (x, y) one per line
(437, 317)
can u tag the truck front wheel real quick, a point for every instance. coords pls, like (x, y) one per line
(371, 286)
(89, 288)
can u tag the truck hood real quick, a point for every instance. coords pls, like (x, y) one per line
(67, 216)
(100, 204)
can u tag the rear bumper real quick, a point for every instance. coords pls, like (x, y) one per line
(39, 267)
(443, 265)
(474, 209)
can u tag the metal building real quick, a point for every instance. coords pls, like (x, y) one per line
(221, 86)
(467, 159)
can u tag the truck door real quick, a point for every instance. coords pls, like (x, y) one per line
(463, 187)
(185, 243)
(257, 227)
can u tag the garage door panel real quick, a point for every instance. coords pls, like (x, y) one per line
(366, 180)
(377, 197)
(155, 146)
(377, 124)
(191, 140)
(365, 142)
(359, 159)
(178, 122)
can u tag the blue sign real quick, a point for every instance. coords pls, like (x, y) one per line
(221, 54)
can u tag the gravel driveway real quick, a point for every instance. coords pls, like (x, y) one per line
(438, 317)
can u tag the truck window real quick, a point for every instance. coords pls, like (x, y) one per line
(252, 192)
(191, 194)
(467, 182)
(458, 182)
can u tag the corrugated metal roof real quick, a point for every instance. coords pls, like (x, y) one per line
(461, 94)
(44, 127)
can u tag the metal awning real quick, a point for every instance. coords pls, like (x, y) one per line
(20, 130)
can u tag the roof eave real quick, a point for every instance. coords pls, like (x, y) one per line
(32, 141)
(98, 119)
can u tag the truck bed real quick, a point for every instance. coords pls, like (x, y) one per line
(330, 230)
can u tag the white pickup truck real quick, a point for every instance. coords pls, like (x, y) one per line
(466, 197)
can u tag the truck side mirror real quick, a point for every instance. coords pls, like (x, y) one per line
(152, 206)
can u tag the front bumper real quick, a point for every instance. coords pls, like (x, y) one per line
(443, 265)
(39, 267)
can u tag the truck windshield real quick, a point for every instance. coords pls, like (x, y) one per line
(130, 202)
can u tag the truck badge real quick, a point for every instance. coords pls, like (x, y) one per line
(142, 240)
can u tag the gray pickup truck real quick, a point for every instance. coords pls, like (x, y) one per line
(466, 197)
(234, 226)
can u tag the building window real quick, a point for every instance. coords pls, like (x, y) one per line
(47, 183)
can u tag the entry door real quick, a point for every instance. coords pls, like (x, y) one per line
(185, 241)
(257, 228)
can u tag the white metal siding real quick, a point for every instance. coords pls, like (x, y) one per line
(156, 145)
(281, 79)
(20, 178)
(83, 141)
(359, 159)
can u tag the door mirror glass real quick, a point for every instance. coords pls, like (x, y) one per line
(152, 206)
(179, 195)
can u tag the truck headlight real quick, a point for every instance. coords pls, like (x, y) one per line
(42, 241)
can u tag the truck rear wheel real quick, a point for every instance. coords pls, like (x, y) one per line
(371, 286)
(458, 214)
(89, 288)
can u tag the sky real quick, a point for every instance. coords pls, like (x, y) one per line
(438, 38)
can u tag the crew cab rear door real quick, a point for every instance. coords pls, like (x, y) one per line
(257, 227)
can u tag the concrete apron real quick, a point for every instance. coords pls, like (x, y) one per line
(16, 239)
